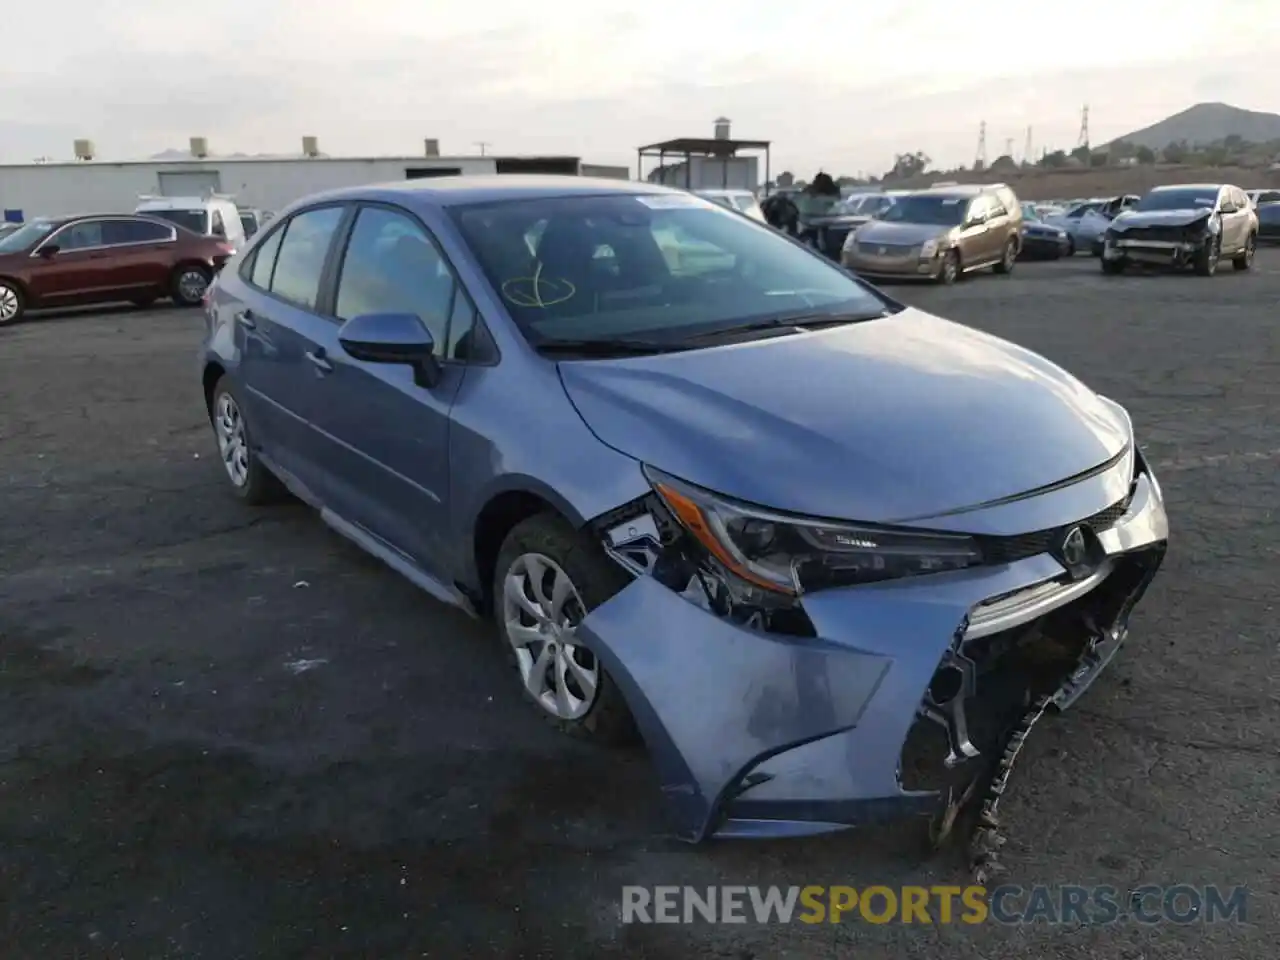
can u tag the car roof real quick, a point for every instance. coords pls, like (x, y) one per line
(1187, 186)
(490, 188)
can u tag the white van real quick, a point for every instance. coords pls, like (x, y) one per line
(212, 216)
(744, 201)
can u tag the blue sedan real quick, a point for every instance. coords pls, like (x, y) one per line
(818, 549)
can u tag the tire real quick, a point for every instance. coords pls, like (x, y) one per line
(184, 288)
(1206, 260)
(1244, 259)
(1071, 246)
(949, 269)
(548, 543)
(1113, 268)
(1008, 258)
(13, 302)
(248, 479)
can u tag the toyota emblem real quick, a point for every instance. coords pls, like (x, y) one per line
(1075, 551)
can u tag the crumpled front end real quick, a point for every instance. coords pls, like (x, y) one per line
(1160, 244)
(863, 703)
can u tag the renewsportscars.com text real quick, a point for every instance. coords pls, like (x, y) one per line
(1007, 904)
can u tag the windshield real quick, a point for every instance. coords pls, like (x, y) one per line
(942, 211)
(648, 266)
(748, 205)
(1029, 212)
(193, 220)
(1192, 199)
(26, 236)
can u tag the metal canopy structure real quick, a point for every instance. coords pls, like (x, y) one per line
(686, 148)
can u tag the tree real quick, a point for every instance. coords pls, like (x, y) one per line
(1054, 159)
(1099, 159)
(1176, 152)
(1003, 162)
(1081, 153)
(1145, 155)
(906, 165)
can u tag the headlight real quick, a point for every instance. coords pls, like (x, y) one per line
(788, 555)
(929, 248)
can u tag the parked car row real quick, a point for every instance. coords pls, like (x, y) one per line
(169, 247)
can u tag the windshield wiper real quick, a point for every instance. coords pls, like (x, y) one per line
(807, 321)
(607, 348)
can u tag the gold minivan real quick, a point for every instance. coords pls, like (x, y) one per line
(939, 234)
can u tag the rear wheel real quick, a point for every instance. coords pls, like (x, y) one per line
(1244, 259)
(188, 284)
(250, 480)
(1008, 258)
(549, 577)
(12, 302)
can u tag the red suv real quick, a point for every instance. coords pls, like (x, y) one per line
(71, 261)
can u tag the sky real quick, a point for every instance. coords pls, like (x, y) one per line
(839, 90)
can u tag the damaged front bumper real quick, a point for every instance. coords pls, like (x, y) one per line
(896, 698)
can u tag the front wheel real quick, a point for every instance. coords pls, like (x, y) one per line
(1071, 246)
(949, 270)
(1008, 258)
(12, 303)
(188, 284)
(549, 577)
(1206, 261)
(1244, 259)
(1112, 268)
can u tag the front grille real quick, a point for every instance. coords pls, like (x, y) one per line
(886, 249)
(996, 550)
(1158, 234)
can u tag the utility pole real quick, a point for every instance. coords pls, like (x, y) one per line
(1026, 149)
(1008, 147)
(980, 161)
(483, 145)
(1083, 139)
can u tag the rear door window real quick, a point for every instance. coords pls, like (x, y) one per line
(264, 261)
(301, 257)
(119, 232)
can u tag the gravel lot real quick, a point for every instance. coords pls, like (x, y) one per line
(228, 734)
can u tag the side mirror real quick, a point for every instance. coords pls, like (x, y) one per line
(49, 250)
(393, 338)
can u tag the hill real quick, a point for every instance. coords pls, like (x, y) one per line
(1207, 123)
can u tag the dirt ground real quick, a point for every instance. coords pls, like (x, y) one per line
(1082, 182)
(226, 734)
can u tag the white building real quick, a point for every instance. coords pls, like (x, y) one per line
(89, 185)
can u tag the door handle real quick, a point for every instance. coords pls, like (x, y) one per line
(319, 362)
(245, 319)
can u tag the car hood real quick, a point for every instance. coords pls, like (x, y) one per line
(880, 231)
(1159, 218)
(886, 420)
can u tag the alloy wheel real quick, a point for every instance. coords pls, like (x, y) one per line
(9, 304)
(192, 284)
(228, 426)
(541, 609)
